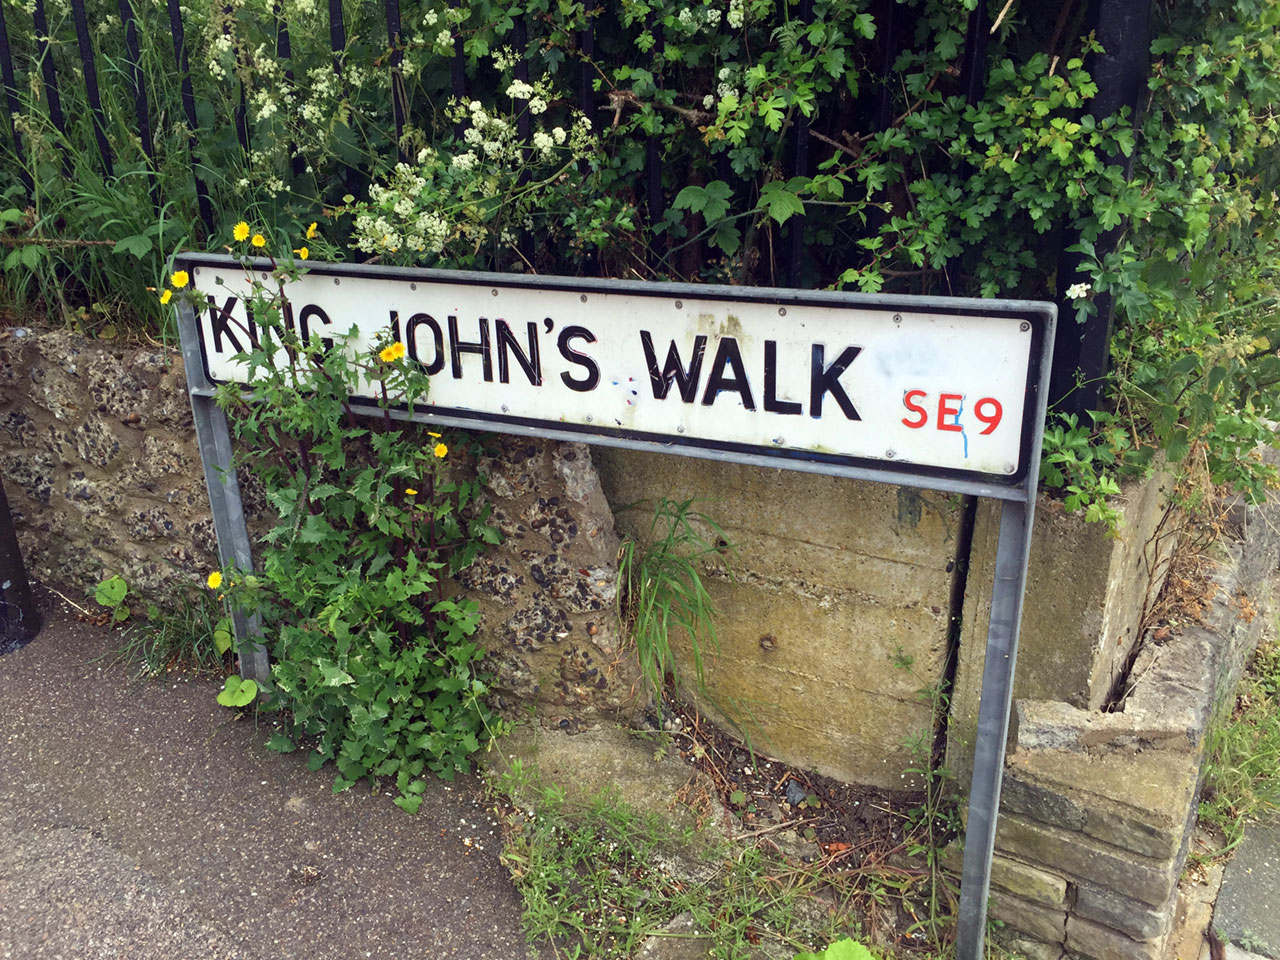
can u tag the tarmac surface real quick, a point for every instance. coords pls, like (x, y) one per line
(1247, 913)
(140, 819)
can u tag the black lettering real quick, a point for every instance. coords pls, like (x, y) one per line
(827, 380)
(771, 402)
(727, 355)
(304, 324)
(674, 369)
(531, 362)
(411, 342)
(458, 347)
(592, 379)
(221, 321)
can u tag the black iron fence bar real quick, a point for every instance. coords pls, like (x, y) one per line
(239, 113)
(654, 198)
(189, 110)
(141, 107)
(799, 168)
(284, 52)
(12, 104)
(399, 97)
(337, 35)
(1082, 351)
(586, 69)
(524, 122)
(44, 48)
(88, 62)
(458, 67)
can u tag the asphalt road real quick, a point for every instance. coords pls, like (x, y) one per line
(140, 819)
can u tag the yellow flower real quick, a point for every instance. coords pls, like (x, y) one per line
(440, 450)
(215, 580)
(259, 240)
(393, 352)
(166, 296)
(410, 491)
(302, 253)
(430, 434)
(240, 231)
(311, 232)
(179, 279)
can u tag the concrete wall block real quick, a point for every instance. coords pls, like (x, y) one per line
(1132, 917)
(1047, 924)
(1083, 858)
(1085, 597)
(834, 581)
(1098, 942)
(1160, 842)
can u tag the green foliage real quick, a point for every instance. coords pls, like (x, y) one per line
(1243, 752)
(237, 692)
(597, 879)
(662, 590)
(845, 949)
(186, 636)
(111, 594)
(373, 660)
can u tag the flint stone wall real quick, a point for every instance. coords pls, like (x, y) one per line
(103, 474)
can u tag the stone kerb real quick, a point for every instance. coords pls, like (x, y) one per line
(1101, 804)
(99, 457)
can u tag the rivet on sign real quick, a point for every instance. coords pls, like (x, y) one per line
(336, 281)
(890, 454)
(679, 304)
(680, 428)
(782, 311)
(413, 286)
(505, 408)
(779, 440)
(1009, 468)
(897, 318)
(494, 292)
(1024, 326)
(264, 276)
(588, 418)
(583, 298)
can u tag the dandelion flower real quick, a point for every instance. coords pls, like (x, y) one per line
(439, 450)
(302, 253)
(410, 491)
(215, 580)
(311, 231)
(391, 352)
(179, 279)
(166, 296)
(240, 231)
(430, 434)
(259, 240)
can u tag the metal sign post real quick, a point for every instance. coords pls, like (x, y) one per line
(939, 393)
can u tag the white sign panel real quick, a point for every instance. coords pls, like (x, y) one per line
(835, 378)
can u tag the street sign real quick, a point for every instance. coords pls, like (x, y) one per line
(942, 393)
(925, 388)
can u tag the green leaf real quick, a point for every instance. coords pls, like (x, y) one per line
(32, 254)
(237, 692)
(409, 804)
(140, 246)
(281, 744)
(780, 202)
(334, 676)
(221, 640)
(845, 949)
(111, 591)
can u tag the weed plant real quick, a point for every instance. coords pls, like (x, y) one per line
(598, 878)
(1242, 776)
(663, 594)
(188, 636)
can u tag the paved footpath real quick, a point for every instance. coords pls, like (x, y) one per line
(139, 819)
